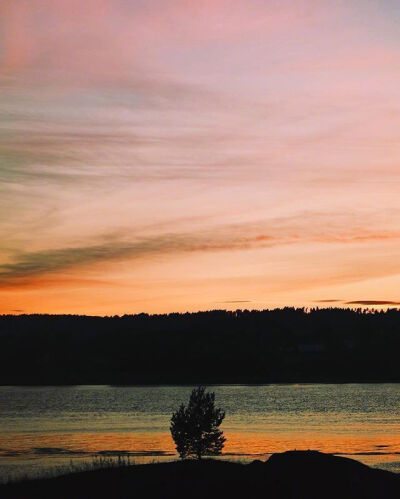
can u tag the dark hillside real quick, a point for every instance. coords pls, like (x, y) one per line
(283, 345)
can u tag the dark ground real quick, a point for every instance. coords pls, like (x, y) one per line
(294, 474)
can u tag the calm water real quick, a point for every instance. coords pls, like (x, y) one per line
(46, 426)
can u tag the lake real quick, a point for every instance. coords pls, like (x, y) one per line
(45, 427)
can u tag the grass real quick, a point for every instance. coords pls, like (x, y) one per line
(98, 462)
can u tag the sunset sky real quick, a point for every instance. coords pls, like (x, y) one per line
(173, 155)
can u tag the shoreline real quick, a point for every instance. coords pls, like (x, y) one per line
(201, 383)
(291, 474)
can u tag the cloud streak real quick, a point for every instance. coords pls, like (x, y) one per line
(29, 265)
(328, 301)
(235, 301)
(372, 302)
(233, 237)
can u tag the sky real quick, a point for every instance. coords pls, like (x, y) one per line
(182, 155)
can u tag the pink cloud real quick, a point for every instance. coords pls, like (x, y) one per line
(111, 39)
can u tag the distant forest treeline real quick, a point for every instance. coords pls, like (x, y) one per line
(282, 345)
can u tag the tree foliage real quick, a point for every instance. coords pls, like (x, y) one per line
(266, 346)
(195, 427)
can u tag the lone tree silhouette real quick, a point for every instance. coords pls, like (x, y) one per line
(195, 428)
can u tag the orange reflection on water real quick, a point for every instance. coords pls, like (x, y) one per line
(88, 442)
(371, 447)
(259, 444)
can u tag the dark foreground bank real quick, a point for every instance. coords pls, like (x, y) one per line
(294, 474)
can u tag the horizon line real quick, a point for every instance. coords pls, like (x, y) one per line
(365, 308)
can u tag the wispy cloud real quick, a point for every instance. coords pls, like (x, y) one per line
(31, 264)
(328, 301)
(235, 301)
(372, 302)
(231, 237)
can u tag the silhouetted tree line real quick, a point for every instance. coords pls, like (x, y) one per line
(282, 345)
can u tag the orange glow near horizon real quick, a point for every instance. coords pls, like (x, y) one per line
(181, 156)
